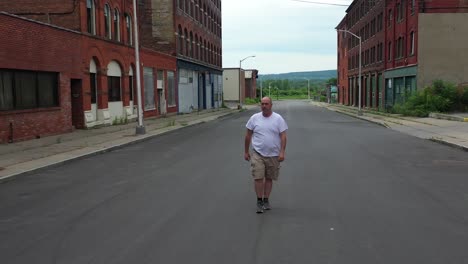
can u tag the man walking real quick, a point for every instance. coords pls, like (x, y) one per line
(267, 132)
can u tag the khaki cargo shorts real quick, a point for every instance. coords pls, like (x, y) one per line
(264, 167)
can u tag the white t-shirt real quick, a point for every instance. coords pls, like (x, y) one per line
(266, 138)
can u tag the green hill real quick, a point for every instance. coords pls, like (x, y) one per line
(312, 75)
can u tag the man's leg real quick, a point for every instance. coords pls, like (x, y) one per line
(267, 190)
(259, 188)
(268, 187)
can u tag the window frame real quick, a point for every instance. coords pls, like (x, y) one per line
(107, 21)
(91, 17)
(15, 92)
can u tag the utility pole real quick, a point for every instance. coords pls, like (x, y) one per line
(140, 129)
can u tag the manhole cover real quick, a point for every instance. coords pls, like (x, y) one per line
(1, 168)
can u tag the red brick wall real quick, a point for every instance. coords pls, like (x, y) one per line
(342, 69)
(443, 6)
(32, 46)
(192, 25)
(399, 29)
(64, 13)
(159, 61)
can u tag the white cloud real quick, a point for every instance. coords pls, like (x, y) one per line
(285, 36)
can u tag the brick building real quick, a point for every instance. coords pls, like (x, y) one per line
(251, 77)
(410, 44)
(342, 62)
(199, 49)
(71, 64)
(365, 19)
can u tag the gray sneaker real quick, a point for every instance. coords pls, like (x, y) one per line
(266, 205)
(259, 207)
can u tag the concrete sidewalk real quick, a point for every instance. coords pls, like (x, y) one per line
(28, 156)
(452, 133)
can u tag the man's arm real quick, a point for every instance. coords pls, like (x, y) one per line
(283, 146)
(248, 138)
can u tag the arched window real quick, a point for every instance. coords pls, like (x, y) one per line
(191, 8)
(186, 42)
(191, 41)
(204, 15)
(91, 16)
(107, 21)
(197, 8)
(205, 51)
(114, 75)
(131, 84)
(128, 25)
(197, 47)
(93, 81)
(116, 25)
(210, 20)
(202, 50)
(181, 41)
(211, 53)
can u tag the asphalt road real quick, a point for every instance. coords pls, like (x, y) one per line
(349, 192)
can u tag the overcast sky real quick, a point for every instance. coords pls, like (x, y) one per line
(285, 36)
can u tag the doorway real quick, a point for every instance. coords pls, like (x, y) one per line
(76, 103)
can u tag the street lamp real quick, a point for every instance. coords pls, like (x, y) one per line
(308, 87)
(140, 129)
(360, 64)
(240, 69)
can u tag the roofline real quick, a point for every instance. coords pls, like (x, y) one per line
(39, 22)
(351, 5)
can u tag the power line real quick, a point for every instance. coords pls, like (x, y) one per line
(319, 3)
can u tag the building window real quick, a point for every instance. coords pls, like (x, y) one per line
(412, 43)
(192, 8)
(27, 90)
(107, 21)
(113, 89)
(91, 16)
(181, 4)
(181, 41)
(187, 44)
(190, 45)
(116, 25)
(413, 6)
(128, 24)
(131, 87)
(148, 80)
(171, 96)
(197, 47)
(389, 51)
(93, 86)
(403, 10)
(390, 17)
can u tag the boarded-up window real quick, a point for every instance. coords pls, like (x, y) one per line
(149, 89)
(171, 96)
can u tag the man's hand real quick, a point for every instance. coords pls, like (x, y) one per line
(281, 157)
(247, 156)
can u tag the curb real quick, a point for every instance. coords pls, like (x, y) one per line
(448, 117)
(361, 118)
(13, 176)
(440, 141)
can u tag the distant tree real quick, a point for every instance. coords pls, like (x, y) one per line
(332, 81)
